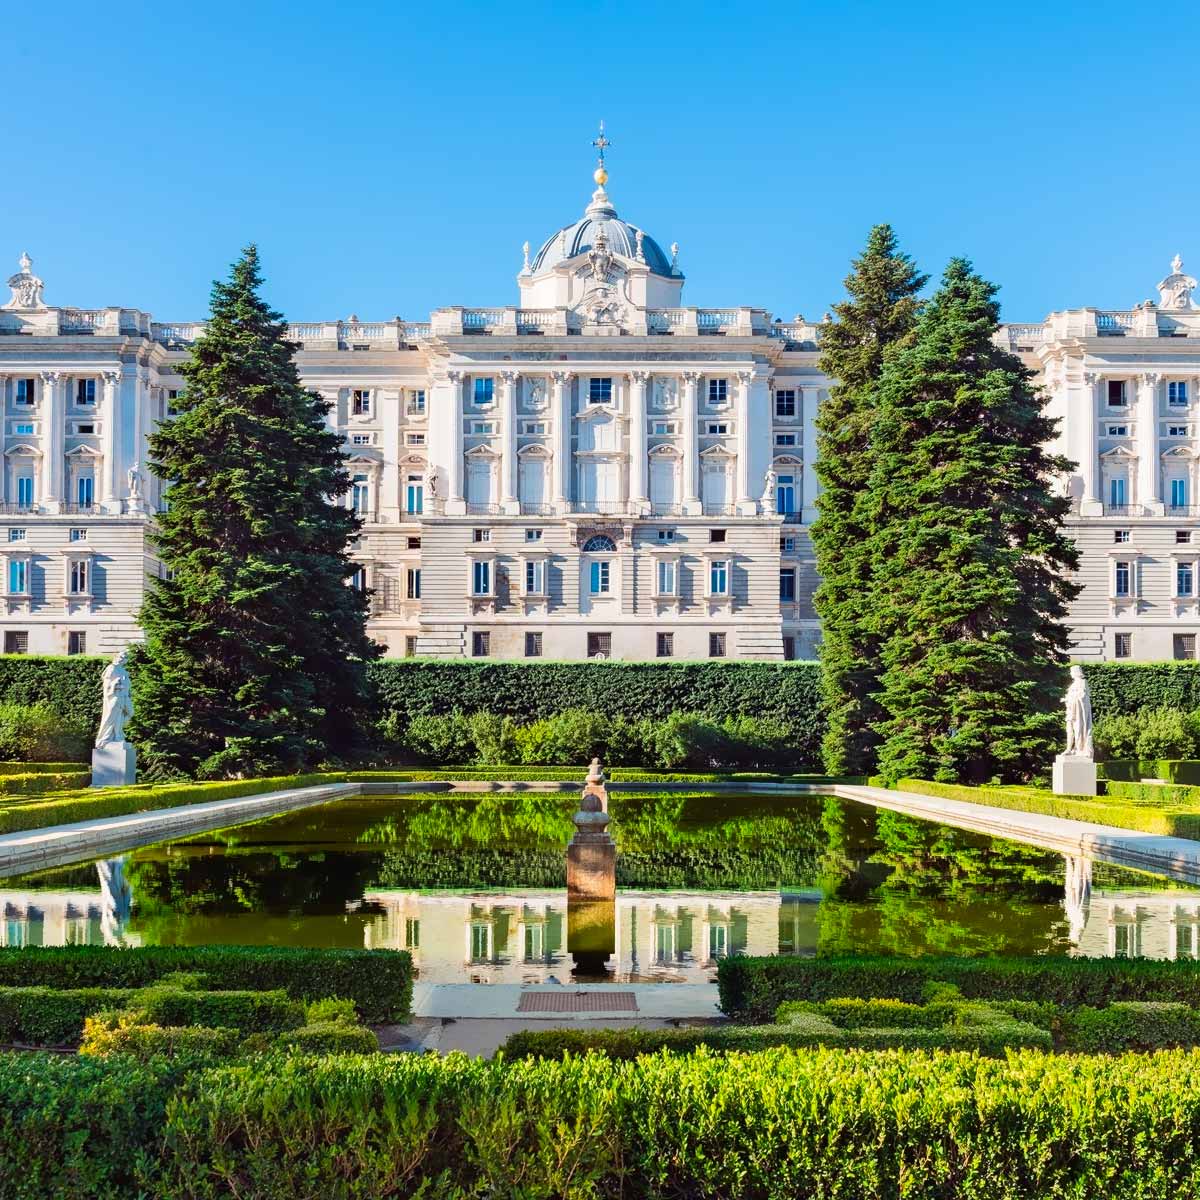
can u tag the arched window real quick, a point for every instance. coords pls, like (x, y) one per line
(599, 545)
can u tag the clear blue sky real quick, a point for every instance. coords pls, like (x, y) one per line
(392, 158)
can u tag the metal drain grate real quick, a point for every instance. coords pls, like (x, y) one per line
(577, 1002)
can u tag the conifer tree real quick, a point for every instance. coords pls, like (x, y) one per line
(256, 648)
(880, 311)
(970, 561)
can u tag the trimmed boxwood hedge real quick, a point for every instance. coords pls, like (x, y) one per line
(36, 783)
(70, 684)
(751, 989)
(378, 981)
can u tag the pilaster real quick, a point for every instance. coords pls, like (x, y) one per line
(638, 494)
(691, 442)
(508, 442)
(391, 483)
(1087, 445)
(561, 462)
(110, 384)
(53, 441)
(1149, 472)
(810, 398)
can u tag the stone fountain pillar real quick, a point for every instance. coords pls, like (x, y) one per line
(592, 880)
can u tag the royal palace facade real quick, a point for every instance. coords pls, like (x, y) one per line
(598, 471)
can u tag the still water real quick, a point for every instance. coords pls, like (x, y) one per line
(474, 886)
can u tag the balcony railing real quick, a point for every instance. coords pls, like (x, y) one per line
(718, 510)
(600, 507)
(666, 510)
(476, 508)
(18, 510)
(1183, 510)
(539, 509)
(792, 518)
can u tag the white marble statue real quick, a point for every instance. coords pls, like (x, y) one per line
(134, 479)
(118, 706)
(768, 497)
(1078, 704)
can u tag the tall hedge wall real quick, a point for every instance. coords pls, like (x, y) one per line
(71, 684)
(1119, 688)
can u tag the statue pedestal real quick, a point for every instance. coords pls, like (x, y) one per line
(114, 765)
(1074, 775)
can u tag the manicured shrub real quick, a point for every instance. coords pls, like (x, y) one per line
(379, 982)
(439, 738)
(492, 737)
(70, 685)
(329, 1037)
(1163, 733)
(1131, 1026)
(41, 733)
(37, 783)
(48, 1016)
(1116, 736)
(246, 1011)
(126, 1033)
(38, 768)
(751, 989)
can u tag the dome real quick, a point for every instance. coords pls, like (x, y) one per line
(622, 238)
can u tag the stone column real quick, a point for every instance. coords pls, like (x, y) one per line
(1149, 473)
(449, 403)
(745, 502)
(110, 390)
(3, 427)
(561, 462)
(691, 442)
(639, 497)
(1086, 444)
(53, 441)
(509, 502)
(810, 397)
(391, 484)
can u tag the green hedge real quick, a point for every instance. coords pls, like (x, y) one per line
(378, 981)
(71, 685)
(35, 783)
(776, 1125)
(36, 768)
(751, 989)
(1133, 770)
(1125, 688)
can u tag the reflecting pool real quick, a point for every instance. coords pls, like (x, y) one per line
(474, 886)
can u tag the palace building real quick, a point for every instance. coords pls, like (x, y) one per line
(597, 471)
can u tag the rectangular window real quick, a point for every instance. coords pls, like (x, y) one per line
(1183, 537)
(482, 428)
(1177, 392)
(1122, 645)
(481, 535)
(600, 390)
(85, 491)
(24, 491)
(1116, 492)
(533, 535)
(789, 648)
(358, 579)
(1177, 431)
(16, 641)
(360, 402)
(664, 645)
(1185, 645)
(414, 495)
(85, 428)
(1184, 573)
(77, 581)
(481, 577)
(16, 535)
(414, 543)
(717, 428)
(1179, 493)
(535, 577)
(1116, 393)
(718, 577)
(414, 439)
(23, 428)
(26, 391)
(599, 645)
(533, 645)
(600, 578)
(18, 577)
(85, 391)
(481, 644)
(362, 439)
(785, 402)
(76, 642)
(533, 428)
(172, 396)
(718, 392)
(787, 545)
(716, 535)
(414, 583)
(484, 391)
(1121, 578)
(1120, 536)
(716, 645)
(665, 535)
(410, 646)
(785, 439)
(1118, 431)
(664, 428)
(787, 585)
(416, 403)
(360, 494)
(668, 577)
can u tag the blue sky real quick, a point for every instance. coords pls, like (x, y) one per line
(389, 159)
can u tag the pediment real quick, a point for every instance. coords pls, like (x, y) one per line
(1122, 453)
(481, 452)
(23, 448)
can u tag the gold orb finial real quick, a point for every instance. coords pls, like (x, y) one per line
(600, 174)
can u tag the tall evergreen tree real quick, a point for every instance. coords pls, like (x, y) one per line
(880, 311)
(971, 563)
(256, 648)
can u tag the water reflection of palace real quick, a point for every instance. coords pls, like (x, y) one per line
(1131, 924)
(76, 918)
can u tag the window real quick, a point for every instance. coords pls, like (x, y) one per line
(787, 545)
(600, 577)
(535, 577)
(416, 403)
(85, 428)
(1118, 431)
(16, 641)
(1177, 431)
(483, 428)
(1185, 645)
(1120, 536)
(533, 535)
(481, 644)
(24, 427)
(1116, 492)
(716, 645)
(484, 391)
(664, 428)
(1183, 537)
(1121, 579)
(76, 642)
(1184, 573)
(77, 535)
(358, 579)
(600, 390)
(667, 577)
(77, 577)
(172, 396)
(718, 392)
(26, 391)
(85, 391)
(1177, 392)
(16, 535)
(18, 576)
(481, 577)
(360, 494)
(599, 645)
(717, 428)
(1122, 645)
(666, 535)
(789, 648)
(360, 402)
(414, 495)
(1179, 493)
(362, 439)
(600, 544)
(1116, 393)
(533, 645)
(787, 585)
(481, 535)
(414, 439)
(533, 428)
(785, 402)
(718, 577)
(716, 535)
(664, 645)
(85, 491)
(410, 646)
(414, 543)
(414, 583)
(785, 439)
(24, 491)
